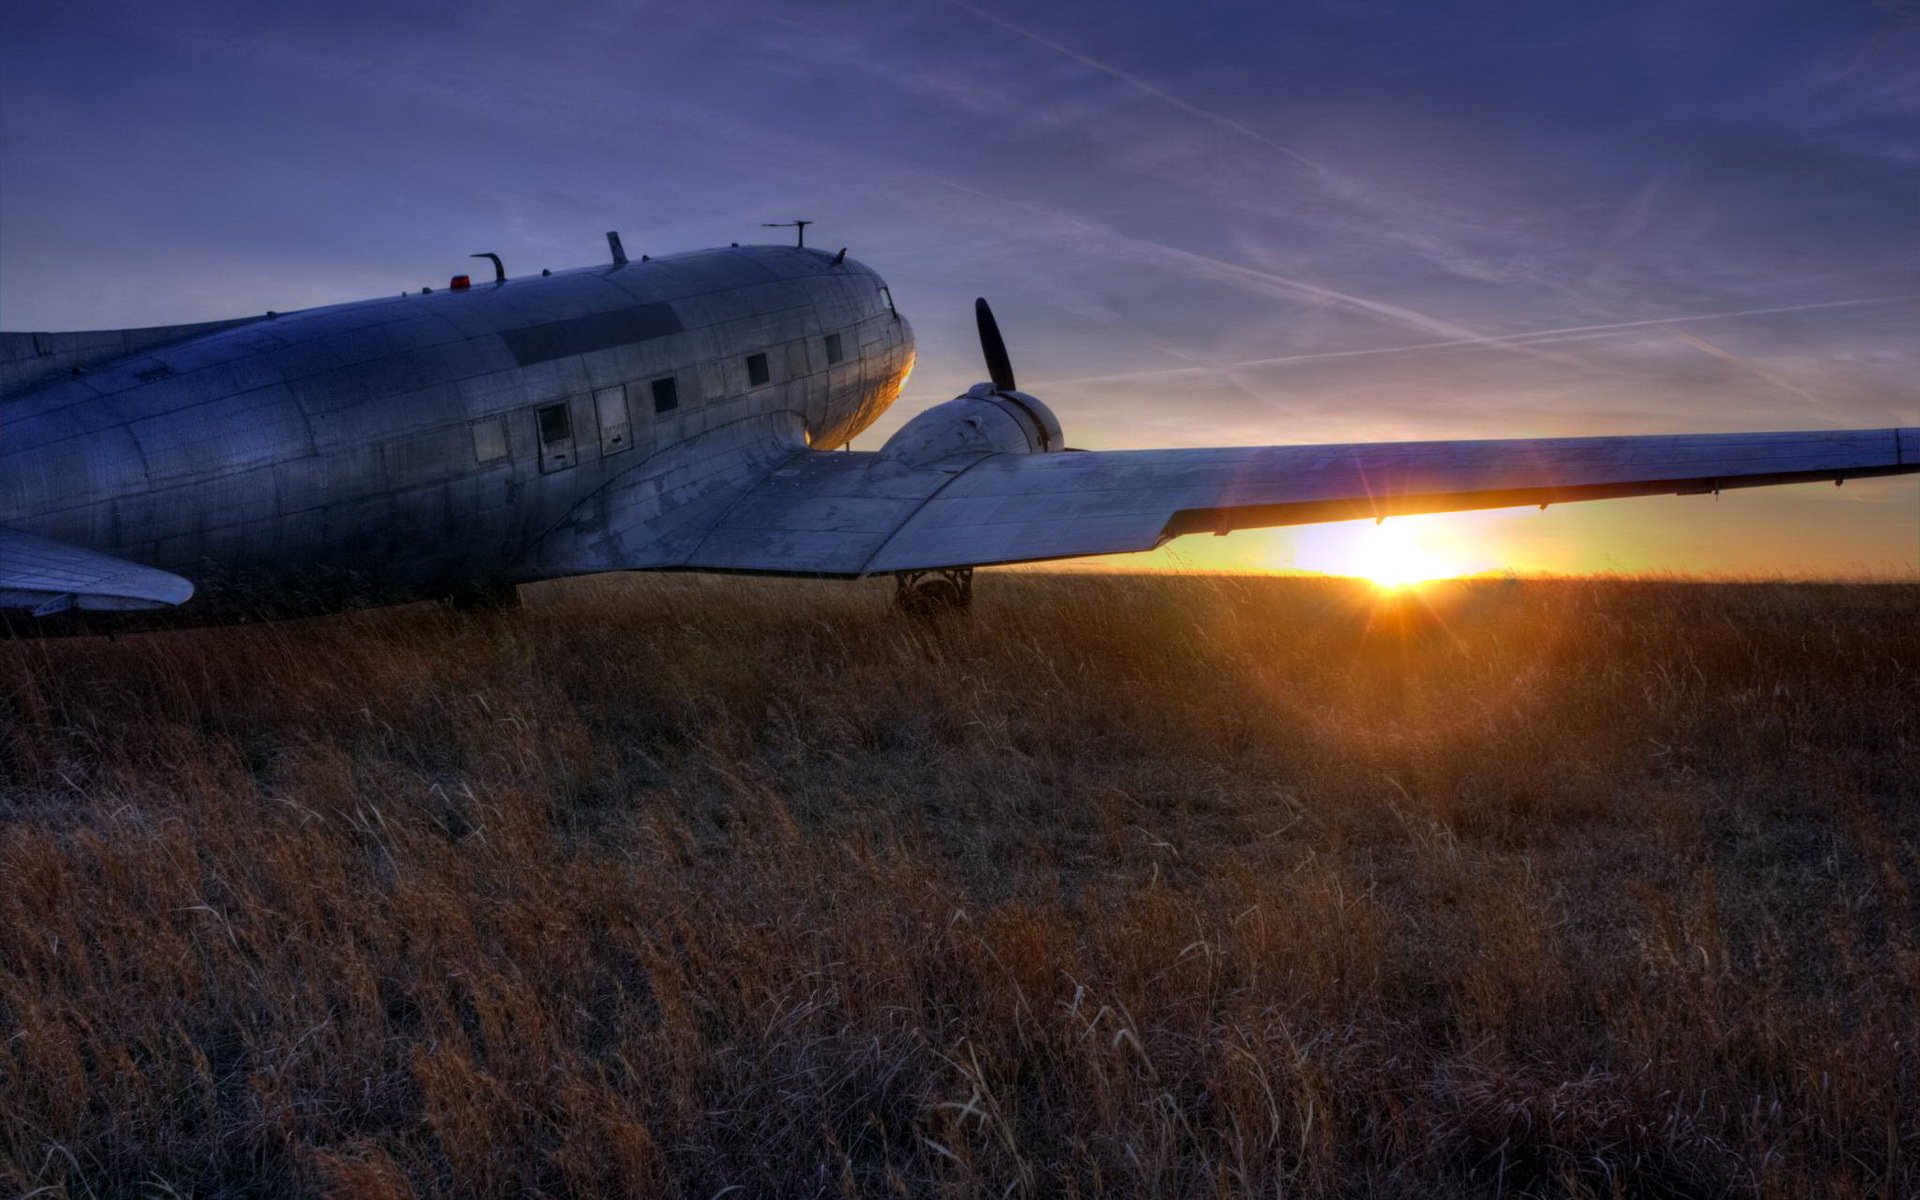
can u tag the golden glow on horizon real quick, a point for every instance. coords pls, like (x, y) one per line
(1811, 532)
(1396, 553)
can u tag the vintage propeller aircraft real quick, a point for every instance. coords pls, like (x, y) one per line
(675, 413)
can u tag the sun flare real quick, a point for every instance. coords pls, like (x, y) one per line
(1394, 554)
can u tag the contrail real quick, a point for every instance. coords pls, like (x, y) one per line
(1454, 334)
(1727, 356)
(1140, 85)
(1521, 340)
(1391, 312)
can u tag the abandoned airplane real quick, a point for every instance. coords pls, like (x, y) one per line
(670, 413)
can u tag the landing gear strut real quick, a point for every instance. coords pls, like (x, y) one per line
(930, 593)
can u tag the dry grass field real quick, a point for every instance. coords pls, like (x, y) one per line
(1119, 886)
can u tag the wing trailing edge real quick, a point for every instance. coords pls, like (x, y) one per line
(822, 513)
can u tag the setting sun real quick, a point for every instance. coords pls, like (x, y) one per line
(1392, 557)
(1393, 554)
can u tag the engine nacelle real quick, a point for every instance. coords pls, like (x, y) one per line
(983, 421)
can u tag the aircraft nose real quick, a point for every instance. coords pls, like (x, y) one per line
(903, 350)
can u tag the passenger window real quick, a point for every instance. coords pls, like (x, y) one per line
(834, 353)
(757, 370)
(666, 395)
(555, 424)
(490, 440)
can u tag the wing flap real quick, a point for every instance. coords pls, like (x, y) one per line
(44, 576)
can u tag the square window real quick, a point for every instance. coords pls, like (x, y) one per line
(757, 373)
(666, 395)
(834, 353)
(555, 424)
(489, 440)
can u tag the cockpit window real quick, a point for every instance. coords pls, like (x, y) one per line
(666, 395)
(834, 352)
(757, 372)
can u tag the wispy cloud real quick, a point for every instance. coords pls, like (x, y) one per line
(1747, 365)
(1531, 337)
(1144, 86)
(1264, 281)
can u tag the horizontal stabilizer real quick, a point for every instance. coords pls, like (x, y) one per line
(44, 577)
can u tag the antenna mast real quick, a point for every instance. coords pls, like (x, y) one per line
(799, 227)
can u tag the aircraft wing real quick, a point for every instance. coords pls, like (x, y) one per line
(826, 513)
(45, 577)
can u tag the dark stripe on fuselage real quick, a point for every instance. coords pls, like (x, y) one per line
(598, 331)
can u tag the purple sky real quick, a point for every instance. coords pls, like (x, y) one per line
(1200, 223)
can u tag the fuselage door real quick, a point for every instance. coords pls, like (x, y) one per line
(616, 431)
(554, 424)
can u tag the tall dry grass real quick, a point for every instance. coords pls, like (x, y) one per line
(1122, 886)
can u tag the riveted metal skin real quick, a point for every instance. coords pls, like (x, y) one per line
(391, 449)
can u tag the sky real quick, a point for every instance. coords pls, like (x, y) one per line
(1200, 223)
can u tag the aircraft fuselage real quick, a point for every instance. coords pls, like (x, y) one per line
(423, 445)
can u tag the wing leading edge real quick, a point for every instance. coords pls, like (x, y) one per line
(823, 513)
(44, 577)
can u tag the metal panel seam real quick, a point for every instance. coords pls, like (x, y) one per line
(745, 494)
(917, 510)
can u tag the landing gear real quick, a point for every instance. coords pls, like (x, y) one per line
(487, 596)
(931, 593)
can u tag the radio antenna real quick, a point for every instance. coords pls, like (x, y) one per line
(799, 227)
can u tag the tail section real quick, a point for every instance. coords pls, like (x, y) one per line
(27, 359)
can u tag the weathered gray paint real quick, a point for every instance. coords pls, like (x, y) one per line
(328, 456)
(390, 450)
(28, 358)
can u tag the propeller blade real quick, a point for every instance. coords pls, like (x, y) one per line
(999, 366)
